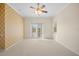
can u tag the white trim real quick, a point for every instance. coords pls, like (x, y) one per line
(15, 9)
(13, 44)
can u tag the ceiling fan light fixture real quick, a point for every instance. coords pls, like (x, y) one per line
(39, 9)
(38, 12)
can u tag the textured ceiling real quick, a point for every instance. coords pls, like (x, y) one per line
(25, 10)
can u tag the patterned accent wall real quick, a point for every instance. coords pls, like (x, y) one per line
(13, 26)
(2, 25)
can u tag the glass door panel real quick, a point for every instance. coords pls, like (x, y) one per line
(36, 30)
(39, 30)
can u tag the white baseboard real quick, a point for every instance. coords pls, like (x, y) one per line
(66, 46)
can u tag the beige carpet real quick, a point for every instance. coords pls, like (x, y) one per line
(37, 48)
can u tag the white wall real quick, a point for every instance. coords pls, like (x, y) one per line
(46, 23)
(68, 27)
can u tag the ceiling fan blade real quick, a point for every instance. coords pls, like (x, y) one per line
(38, 5)
(44, 11)
(32, 7)
(43, 6)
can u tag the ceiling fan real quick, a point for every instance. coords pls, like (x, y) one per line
(39, 9)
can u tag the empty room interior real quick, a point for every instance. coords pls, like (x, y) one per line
(39, 29)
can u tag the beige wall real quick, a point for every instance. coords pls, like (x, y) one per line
(13, 26)
(68, 27)
(46, 25)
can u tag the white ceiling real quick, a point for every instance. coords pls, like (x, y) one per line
(25, 10)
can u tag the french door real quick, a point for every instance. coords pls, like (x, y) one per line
(36, 30)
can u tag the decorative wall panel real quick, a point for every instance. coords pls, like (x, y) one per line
(2, 25)
(11, 26)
